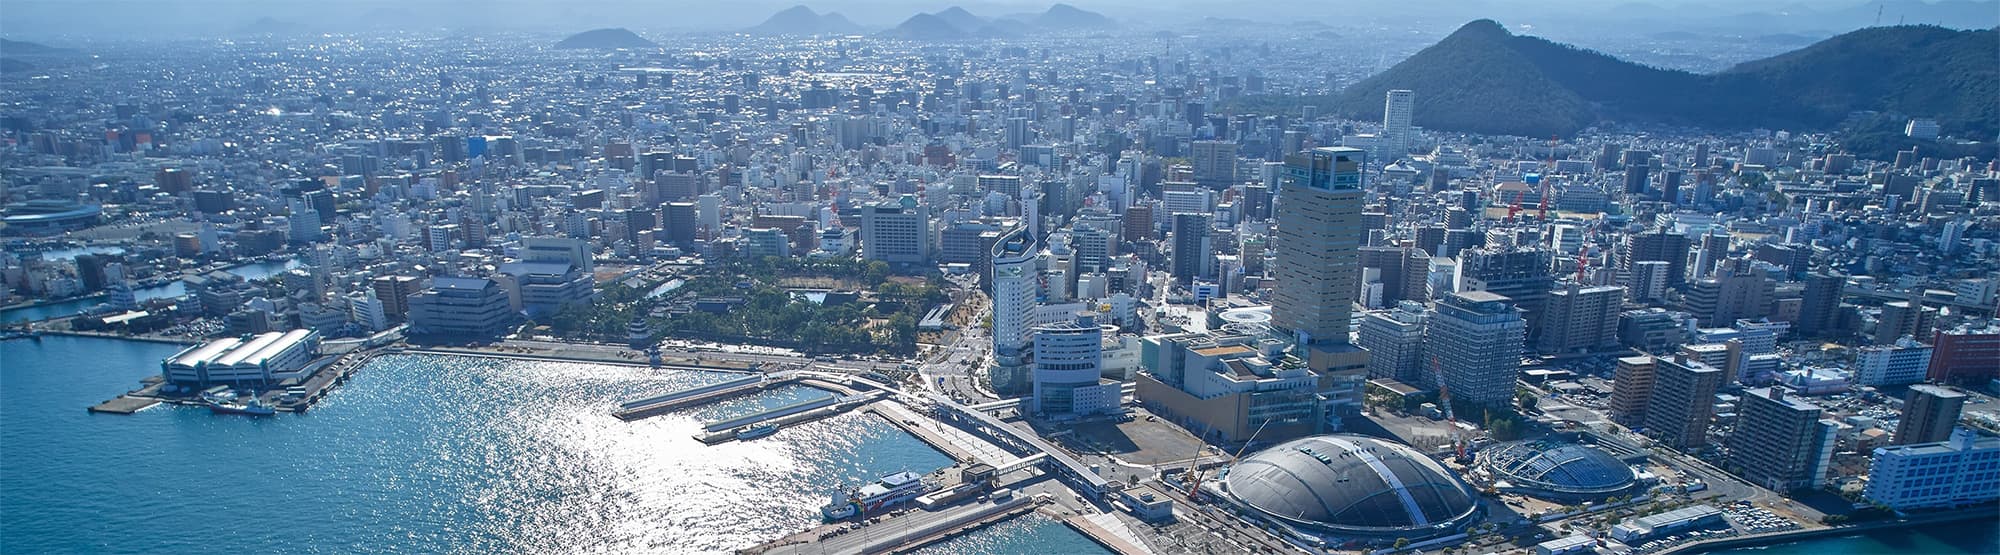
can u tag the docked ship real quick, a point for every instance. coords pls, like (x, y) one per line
(757, 431)
(252, 407)
(884, 493)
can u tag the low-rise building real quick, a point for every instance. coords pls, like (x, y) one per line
(259, 360)
(1963, 470)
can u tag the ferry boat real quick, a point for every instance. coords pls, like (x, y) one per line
(757, 431)
(884, 493)
(252, 407)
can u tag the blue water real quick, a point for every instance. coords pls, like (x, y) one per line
(173, 289)
(1959, 537)
(416, 454)
(1030, 533)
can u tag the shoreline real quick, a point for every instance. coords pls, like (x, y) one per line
(1795, 536)
(562, 357)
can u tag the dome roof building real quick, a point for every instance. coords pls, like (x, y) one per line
(1351, 485)
(1556, 470)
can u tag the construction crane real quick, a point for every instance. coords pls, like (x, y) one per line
(1549, 168)
(1444, 398)
(1194, 491)
(1581, 263)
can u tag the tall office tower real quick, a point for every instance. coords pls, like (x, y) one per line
(1631, 389)
(394, 292)
(1659, 244)
(1017, 133)
(1138, 223)
(1648, 280)
(1397, 106)
(1682, 402)
(1901, 318)
(1476, 338)
(1700, 159)
(1929, 414)
(1069, 361)
(1193, 247)
(1714, 249)
(1521, 274)
(1819, 306)
(1394, 339)
(1015, 285)
(1319, 228)
(1739, 291)
(1581, 318)
(1779, 442)
(897, 232)
(1214, 163)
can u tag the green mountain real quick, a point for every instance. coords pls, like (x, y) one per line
(1483, 79)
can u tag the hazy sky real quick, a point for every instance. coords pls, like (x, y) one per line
(44, 19)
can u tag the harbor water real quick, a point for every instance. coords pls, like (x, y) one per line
(417, 454)
(1949, 538)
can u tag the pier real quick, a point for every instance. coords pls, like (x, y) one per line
(796, 413)
(634, 410)
(907, 532)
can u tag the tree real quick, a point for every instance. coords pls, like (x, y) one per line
(1402, 543)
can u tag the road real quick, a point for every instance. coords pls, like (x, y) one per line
(954, 369)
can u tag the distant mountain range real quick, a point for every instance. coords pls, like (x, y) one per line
(1483, 79)
(23, 48)
(955, 23)
(801, 20)
(605, 39)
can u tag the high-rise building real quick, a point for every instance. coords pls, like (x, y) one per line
(1740, 291)
(1476, 338)
(1819, 305)
(1967, 354)
(1631, 389)
(394, 292)
(1681, 402)
(1394, 339)
(1015, 284)
(1193, 250)
(1660, 244)
(1901, 319)
(1648, 280)
(1581, 318)
(1404, 271)
(1319, 228)
(462, 306)
(1397, 107)
(1780, 442)
(1929, 414)
(1521, 274)
(1068, 366)
(897, 232)
(1903, 363)
(1214, 163)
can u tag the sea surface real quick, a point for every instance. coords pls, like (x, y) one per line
(1951, 538)
(416, 454)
